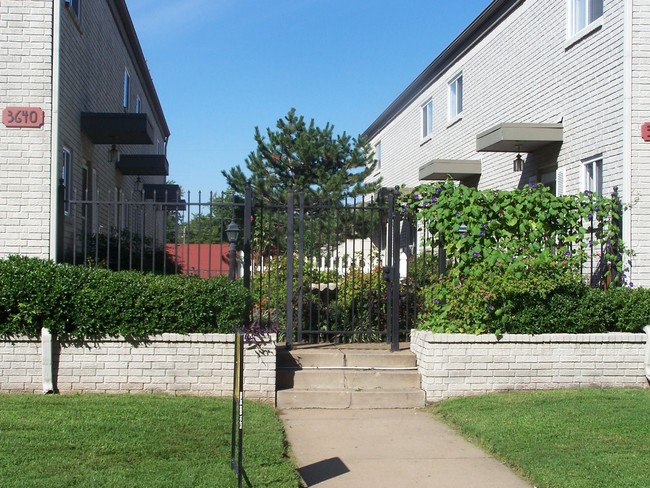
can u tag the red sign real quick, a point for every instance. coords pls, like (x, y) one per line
(22, 117)
(645, 132)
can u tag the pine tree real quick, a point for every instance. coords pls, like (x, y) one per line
(302, 157)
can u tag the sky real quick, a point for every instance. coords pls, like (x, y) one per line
(223, 67)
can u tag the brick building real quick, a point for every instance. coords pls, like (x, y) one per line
(79, 106)
(562, 83)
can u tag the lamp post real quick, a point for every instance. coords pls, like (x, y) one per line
(232, 232)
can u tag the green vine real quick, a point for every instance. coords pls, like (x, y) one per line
(518, 226)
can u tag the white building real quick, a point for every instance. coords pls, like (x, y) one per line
(564, 83)
(78, 105)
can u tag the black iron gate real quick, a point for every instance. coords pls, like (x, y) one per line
(326, 272)
(318, 271)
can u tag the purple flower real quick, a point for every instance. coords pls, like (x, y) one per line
(475, 255)
(631, 285)
(482, 233)
(457, 214)
(436, 301)
(567, 254)
(533, 185)
(438, 190)
(590, 216)
(596, 208)
(434, 199)
(587, 193)
(416, 197)
(490, 307)
(484, 225)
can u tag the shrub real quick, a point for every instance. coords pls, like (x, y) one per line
(82, 303)
(532, 297)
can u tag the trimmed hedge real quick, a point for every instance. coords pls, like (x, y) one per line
(532, 298)
(82, 303)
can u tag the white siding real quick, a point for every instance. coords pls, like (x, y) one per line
(525, 70)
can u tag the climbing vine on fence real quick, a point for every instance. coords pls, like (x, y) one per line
(518, 226)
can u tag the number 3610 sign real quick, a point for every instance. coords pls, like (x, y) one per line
(22, 117)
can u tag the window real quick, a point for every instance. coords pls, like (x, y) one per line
(378, 155)
(127, 90)
(593, 176)
(74, 6)
(427, 119)
(583, 13)
(456, 97)
(138, 105)
(66, 178)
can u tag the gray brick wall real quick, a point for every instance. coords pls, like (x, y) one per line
(464, 364)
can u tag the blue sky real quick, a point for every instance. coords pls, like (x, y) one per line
(223, 67)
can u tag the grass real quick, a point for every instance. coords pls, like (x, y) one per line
(136, 441)
(564, 438)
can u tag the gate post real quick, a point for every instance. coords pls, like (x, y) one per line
(391, 274)
(301, 261)
(289, 302)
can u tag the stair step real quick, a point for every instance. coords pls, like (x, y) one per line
(336, 356)
(344, 399)
(341, 378)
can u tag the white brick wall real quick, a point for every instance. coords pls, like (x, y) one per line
(21, 365)
(25, 155)
(464, 364)
(195, 364)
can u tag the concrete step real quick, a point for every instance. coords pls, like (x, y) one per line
(342, 378)
(342, 399)
(342, 356)
(347, 376)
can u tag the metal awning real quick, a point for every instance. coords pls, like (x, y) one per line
(143, 164)
(117, 128)
(525, 138)
(456, 169)
(169, 195)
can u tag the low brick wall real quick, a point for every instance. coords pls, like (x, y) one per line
(195, 364)
(464, 364)
(21, 365)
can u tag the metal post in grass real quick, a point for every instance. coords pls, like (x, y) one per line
(237, 425)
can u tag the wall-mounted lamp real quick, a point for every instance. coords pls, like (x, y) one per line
(138, 185)
(462, 230)
(518, 163)
(113, 154)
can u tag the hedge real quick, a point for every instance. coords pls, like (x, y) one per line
(83, 303)
(533, 298)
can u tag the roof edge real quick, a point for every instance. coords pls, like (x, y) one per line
(487, 20)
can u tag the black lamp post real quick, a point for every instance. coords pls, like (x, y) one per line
(232, 232)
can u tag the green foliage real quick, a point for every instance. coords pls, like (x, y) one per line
(303, 157)
(83, 303)
(518, 225)
(532, 298)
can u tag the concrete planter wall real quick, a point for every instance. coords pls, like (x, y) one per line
(195, 364)
(464, 364)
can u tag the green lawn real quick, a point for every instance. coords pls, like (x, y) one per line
(136, 441)
(564, 438)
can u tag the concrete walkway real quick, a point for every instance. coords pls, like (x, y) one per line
(388, 448)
